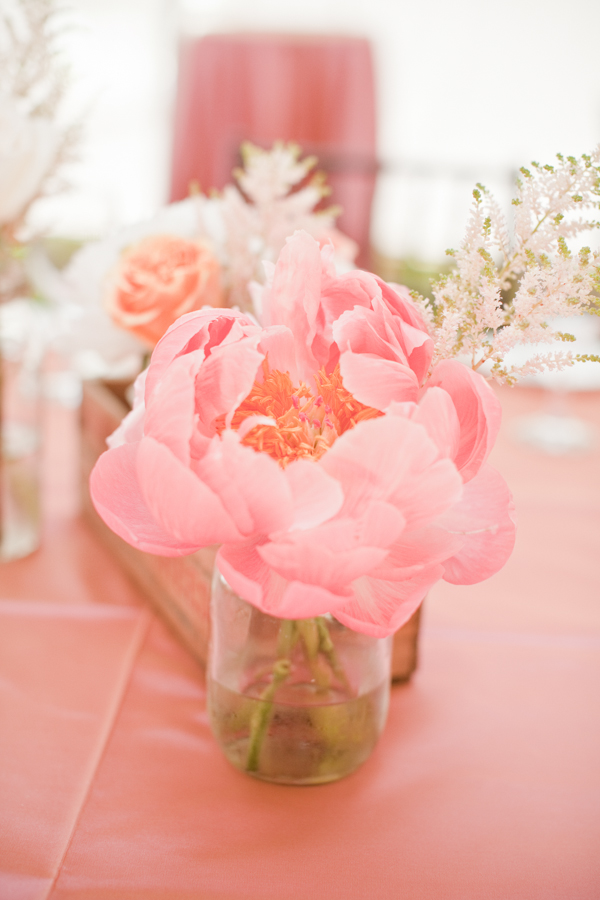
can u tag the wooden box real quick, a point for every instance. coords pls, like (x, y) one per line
(178, 588)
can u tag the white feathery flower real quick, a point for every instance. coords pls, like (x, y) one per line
(505, 292)
(28, 147)
(269, 204)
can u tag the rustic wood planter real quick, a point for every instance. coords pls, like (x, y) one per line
(178, 588)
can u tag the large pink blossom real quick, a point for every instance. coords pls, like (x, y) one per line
(338, 472)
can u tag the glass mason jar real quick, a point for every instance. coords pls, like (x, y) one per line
(22, 345)
(293, 701)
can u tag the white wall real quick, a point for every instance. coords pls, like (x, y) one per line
(467, 91)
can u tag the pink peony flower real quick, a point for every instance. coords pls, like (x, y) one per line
(159, 279)
(337, 472)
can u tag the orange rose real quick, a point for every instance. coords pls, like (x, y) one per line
(160, 279)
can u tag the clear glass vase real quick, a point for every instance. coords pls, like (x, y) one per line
(22, 347)
(293, 701)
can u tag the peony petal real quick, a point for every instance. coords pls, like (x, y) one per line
(414, 551)
(342, 293)
(380, 607)
(371, 331)
(252, 487)
(130, 429)
(380, 525)
(437, 413)
(335, 553)
(278, 345)
(185, 507)
(312, 561)
(377, 382)
(300, 600)
(170, 413)
(397, 298)
(485, 519)
(118, 500)
(362, 290)
(194, 331)
(373, 457)
(225, 379)
(193, 326)
(250, 577)
(418, 347)
(294, 298)
(247, 574)
(427, 492)
(316, 495)
(478, 409)
(407, 410)
(377, 331)
(393, 459)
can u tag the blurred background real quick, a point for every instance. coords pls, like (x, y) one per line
(437, 97)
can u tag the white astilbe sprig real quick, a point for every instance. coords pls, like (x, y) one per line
(504, 290)
(31, 69)
(269, 203)
(34, 83)
(269, 175)
(33, 145)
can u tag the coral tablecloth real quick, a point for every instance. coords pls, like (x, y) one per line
(486, 783)
(314, 90)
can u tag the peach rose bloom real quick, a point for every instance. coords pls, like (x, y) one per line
(159, 279)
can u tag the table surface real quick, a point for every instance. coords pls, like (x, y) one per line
(486, 783)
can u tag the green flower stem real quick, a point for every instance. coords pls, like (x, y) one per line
(316, 642)
(262, 715)
(327, 648)
(288, 637)
(309, 633)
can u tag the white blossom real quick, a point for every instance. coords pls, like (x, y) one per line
(33, 146)
(270, 203)
(28, 148)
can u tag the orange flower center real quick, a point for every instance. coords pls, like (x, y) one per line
(307, 422)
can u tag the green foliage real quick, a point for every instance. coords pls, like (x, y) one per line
(563, 248)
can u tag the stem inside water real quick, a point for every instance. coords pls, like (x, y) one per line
(322, 661)
(262, 714)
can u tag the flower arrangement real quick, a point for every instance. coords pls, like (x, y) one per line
(343, 476)
(337, 452)
(340, 472)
